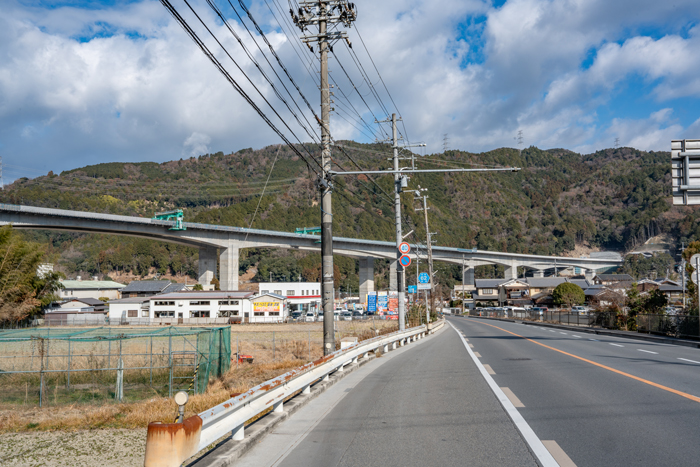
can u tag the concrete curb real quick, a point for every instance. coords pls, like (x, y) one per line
(227, 451)
(603, 332)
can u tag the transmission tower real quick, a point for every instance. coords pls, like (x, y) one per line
(519, 139)
(617, 143)
(2, 185)
(445, 143)
(321, 14)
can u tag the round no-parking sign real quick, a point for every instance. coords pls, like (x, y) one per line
(405, 261)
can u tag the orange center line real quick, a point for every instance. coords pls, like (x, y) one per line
(650, 383)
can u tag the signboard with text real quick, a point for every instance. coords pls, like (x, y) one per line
(372, 302)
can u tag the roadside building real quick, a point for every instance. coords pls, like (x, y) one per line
(268, 308)
(97, 305)
(132, 309)
(90, 289)
(301, 296)
(673, 292)
(541, 289)
(204, 306)
(487, 291)
(516, 292)
(150, 288)
(613, 279)
(85, 315)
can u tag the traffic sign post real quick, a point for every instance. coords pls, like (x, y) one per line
(404, 248)
(423, 281)
(405, 261)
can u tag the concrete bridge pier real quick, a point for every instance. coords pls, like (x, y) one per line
(228, 264)
(393, 280)
(366, 277)
(469, 273)
(589, 274)
(538, 273)
(208, 258)
(511, 270)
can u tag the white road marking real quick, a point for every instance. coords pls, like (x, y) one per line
(489, 369)
(577, 337)
(594, 340)
(648, 351)
(691, 361)
(558, 454)
(562, 333)
(538, 449)
(513, 398)
(616, 345)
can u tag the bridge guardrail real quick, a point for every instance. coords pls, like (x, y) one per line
(170, 444)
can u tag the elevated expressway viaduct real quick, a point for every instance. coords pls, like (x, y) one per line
(223, 243)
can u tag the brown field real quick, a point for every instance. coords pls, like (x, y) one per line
(290, 346)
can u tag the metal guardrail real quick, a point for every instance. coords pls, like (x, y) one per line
(170, 444)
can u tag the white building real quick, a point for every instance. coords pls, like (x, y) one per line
(202, 305)
(125, 309)
(90, 289)
(301, 296)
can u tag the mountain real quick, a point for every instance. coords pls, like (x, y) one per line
(560, 202)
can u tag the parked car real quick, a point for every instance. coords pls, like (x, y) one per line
(296, 315)
(579, 310)
(310, 317)
(357, 315)
(347, 315)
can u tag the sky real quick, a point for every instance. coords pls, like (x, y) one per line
(89, 81)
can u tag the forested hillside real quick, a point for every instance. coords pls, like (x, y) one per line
(613, 199)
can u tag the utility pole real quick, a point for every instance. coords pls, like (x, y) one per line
(2, 185)
(400, 273)
(429, 244)
(321, 13)
(463, 293)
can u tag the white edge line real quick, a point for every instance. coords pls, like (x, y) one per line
(686, 360)
(616, 345)
(648, 351)
(538, 449)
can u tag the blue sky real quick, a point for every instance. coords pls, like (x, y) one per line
(83, 82)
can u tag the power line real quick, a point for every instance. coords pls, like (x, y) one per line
(193, 35)
(218, 12)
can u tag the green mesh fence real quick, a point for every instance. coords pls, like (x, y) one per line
(54, 366)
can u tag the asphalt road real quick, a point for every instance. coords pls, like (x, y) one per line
(604, 400)
(426, 404)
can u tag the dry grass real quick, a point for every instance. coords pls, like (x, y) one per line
(289, 353)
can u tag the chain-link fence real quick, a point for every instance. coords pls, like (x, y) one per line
(44, 366)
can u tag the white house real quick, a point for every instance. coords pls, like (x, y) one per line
(268, 308)
(301, 296)
(90, 289)
(125, 309)
(201, 306)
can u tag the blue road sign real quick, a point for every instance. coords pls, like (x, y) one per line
(405, 260)
(372, 302)
(412, 289)
(424, 278)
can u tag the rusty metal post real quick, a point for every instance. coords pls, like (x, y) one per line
(170, 444)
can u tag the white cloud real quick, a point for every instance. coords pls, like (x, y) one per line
(141, 90)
